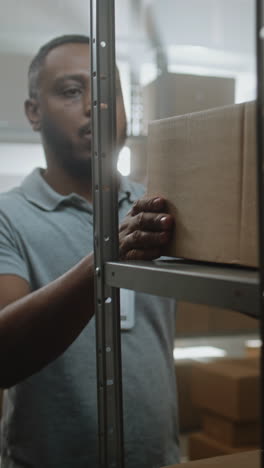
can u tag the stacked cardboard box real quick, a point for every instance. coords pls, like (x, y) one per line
(201, 445)
(201, 320)
(228, 394)
(189, 414)
(230, 433)
(177, 93)
(241, 460)
(253, 348)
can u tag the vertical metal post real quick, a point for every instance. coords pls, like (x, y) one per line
(103, 80)
(260, 175)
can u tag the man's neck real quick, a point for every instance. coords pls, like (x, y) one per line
(65, 184)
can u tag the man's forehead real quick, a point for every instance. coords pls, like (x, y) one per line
(68, 57)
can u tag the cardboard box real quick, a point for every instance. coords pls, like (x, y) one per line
(253, 348)
(230, 433)
(192, 319)
(229, 321)
(173, 94)
(205, 165)
(229, 388)
(189, 415)
(197, 320)
(240, 460)
(202, 446)
(253, 352)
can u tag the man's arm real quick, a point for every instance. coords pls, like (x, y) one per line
(36, 327)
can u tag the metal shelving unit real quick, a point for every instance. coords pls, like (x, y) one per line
(260, 174)
(228, 287)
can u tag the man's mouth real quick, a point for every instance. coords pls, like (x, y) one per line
(85, 132)
(87, 136)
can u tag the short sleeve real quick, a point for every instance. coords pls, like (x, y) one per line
(11, 258)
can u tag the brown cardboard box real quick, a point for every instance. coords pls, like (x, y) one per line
(240, 460)
(252, 352)
(189, 415)
(229, 387)
(205, 165)
(192, 319)
(196, 319)
(202, 446)
(177, 93)
(230, 433)
(229, 321)
(253, 348)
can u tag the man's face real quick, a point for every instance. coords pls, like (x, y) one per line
(65, 107)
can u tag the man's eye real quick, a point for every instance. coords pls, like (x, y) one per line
(72, 92)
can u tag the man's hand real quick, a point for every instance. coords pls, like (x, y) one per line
(145, 231)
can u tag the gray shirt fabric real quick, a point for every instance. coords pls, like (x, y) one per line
(50, 419)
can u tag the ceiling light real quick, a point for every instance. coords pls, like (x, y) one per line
(198, 352)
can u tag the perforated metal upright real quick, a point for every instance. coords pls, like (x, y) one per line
(260, 172)
(106, 232)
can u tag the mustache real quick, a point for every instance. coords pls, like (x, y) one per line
(84, 130)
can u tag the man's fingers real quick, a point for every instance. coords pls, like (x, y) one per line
(154, 205)
(150, 222)
(153, 222)
(142, 254)
(144, 240)
(146, 230)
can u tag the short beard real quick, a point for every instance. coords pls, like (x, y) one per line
(64, 152)
(79, 169)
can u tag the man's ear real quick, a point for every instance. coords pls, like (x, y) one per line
(32, 112)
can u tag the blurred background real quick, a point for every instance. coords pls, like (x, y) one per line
(204, 50)
(175, 57)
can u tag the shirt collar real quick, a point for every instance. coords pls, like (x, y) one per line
(38, 192)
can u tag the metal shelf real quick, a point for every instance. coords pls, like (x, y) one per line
(222, 286)
(227, 287)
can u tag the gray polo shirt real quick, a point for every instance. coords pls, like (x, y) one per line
(50, 419)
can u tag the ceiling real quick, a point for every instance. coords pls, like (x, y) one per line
(226, 25)
(215, 35)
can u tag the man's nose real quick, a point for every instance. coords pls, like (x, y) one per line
(87, 103)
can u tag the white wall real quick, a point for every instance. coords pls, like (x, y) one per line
(16, 161)
(206, 36)
(7, 182)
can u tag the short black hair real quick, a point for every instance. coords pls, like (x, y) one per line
(39, 59)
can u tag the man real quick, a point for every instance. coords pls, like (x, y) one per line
(47, 331)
